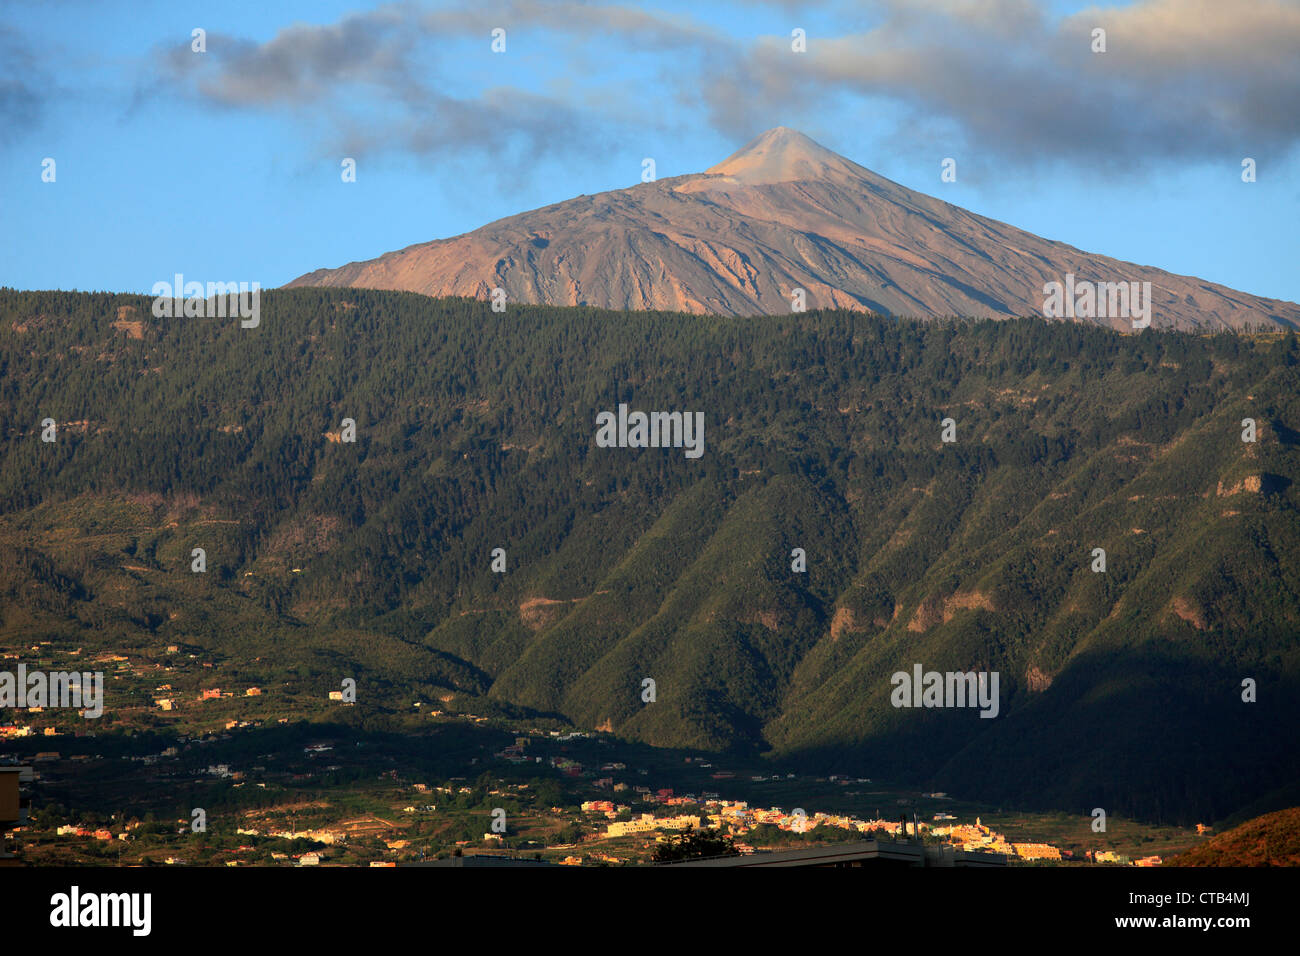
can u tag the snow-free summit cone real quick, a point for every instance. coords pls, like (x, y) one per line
(783, 213)
(783, 155)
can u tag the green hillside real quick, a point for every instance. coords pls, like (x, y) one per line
(475, 431)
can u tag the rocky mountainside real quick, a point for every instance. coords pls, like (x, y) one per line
(784, 213)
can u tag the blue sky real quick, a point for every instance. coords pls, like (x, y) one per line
(225, 165)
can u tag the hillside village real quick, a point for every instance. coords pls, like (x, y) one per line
(623, 828)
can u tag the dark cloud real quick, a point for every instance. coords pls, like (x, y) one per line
(302, 64)
(377, 82)
(650, 30)
(24, 88)
(1184, 80)
(513, 127)
(1181, 80)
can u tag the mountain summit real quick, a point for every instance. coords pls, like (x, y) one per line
(784, 213)
(782, 155)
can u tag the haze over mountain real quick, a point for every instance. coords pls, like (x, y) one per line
(783, 213)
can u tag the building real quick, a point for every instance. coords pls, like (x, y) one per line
(620, 828)
(648, 823)
(1036, 851)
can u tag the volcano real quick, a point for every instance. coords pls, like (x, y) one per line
(785, 214)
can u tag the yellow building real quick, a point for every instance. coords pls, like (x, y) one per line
(648, 824)
(1036, 851)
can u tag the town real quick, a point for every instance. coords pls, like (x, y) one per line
(258, 784)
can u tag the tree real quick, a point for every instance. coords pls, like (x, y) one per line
(693, 845)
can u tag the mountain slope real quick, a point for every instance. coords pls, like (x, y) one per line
(475, 431)
(1270, 840)
(784, 213)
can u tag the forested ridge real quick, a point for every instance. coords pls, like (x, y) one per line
(474, 431)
